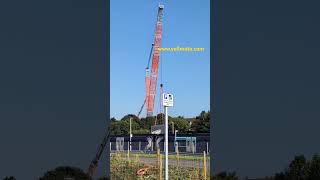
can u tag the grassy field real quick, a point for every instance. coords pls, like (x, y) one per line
(127, 169)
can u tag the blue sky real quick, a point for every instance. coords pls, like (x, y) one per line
(185, 74)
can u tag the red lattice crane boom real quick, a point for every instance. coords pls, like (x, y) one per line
(151, 77)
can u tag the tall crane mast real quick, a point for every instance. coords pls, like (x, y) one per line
(151, 77)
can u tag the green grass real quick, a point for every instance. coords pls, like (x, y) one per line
(124, 170)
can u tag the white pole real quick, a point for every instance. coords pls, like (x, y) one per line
(175, 140)
(166, 144)
(130, 134)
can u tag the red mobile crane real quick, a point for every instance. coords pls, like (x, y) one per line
(151, 78)
(151, 83)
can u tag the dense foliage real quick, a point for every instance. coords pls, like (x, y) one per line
(301, 169)
(9, 178)
(226, 176)
(199, 124)
(65, 172)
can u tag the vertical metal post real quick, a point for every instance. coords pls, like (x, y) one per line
(177, 146)
(172, 127)
(166, 144)
(160, 167)
(130, 133)
(207, 147)
(204, 165)
(195, 144)
(152, 145)
(175, 140)
(128, 153)
(139, 145)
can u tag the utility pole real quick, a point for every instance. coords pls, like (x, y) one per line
(167, 102)
(166, 143)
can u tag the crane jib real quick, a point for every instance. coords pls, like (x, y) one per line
(151, 77)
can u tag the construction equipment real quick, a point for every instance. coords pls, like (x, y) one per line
(151, 77)
(151, 83)
(94, 163)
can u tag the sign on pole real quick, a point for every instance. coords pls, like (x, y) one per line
(167, 101)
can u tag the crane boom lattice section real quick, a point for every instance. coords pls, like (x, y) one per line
(151, 77)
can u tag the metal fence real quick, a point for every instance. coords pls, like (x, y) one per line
(145, 146)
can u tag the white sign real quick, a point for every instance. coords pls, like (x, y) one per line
(167, 100)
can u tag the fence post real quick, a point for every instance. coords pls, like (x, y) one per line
(152, 146)
(160, 167)
(158, 157)
(139, 145)
(193, 147)
(207, 147)
(128, 152)
(178, 158)
(204, 165)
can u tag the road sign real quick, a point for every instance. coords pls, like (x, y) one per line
(167, 100)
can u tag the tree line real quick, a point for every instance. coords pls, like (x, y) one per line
(300, 168)
(198, 124)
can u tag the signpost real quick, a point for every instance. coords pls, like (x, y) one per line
(167, 101)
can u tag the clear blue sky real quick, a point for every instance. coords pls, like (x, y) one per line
(185, 74)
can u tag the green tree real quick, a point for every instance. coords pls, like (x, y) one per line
(314, 168)
(298, 168)
(113, 119)
(180, 124)
(281, 176)
(65, 172)
(202, 123)
(147, 122)
(128, 116)
(143, 125)
(141, 131)
(160, 118)
(122, 127)
(9, 178)
(115, 128)
(226, 176)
